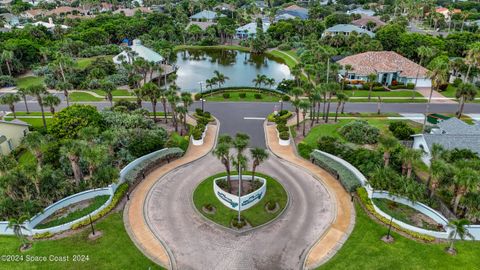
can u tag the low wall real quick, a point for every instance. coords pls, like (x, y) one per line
(231, 201)
(422, 208)
(81, 196)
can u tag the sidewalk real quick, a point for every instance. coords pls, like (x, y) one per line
(133, 216)
(332, 240)
(436, 96)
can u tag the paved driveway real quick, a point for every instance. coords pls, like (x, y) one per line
(195, 243)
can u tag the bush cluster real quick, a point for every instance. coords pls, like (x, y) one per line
(401, 130)
(226, 95)
(360, 132)
(257, 96)
(7, 81)
(283, 131)
(242, 95)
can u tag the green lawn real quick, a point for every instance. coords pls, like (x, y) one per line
(30, 114)
(396, 93)
(285, 57)
(250, 96)
(94, 205)
(82, 63)
(118, 92)
(450, 91)
(256, 215)
(81, 96)
(25, 82)
(365, 250)
(114, 250)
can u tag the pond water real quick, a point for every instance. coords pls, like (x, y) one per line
(196, 66)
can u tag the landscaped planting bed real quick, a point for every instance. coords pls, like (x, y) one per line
(349, 181)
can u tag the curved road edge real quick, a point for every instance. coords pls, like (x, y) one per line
(333, 239)
(134, 219)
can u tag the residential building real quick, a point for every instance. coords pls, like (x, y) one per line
(346, 30)
(250, 30)
(365, 20)
(33, 13)
(139, 51)
(202, 25)
(64, 11)
(447, 13)
(284, 16)
(389, 66)
(206, 16)
(11, 134)
(361, 11)
(295, 11)
(10, 20)
(49, 25)
(450, 134)
(129, 12)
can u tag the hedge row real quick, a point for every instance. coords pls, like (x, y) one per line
(152, 162)
(349, 181)
(363, 195)
(235, 88)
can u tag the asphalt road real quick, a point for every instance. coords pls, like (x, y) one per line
(196, 243)
(248, 116)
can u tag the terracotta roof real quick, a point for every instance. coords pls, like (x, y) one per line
(129, 12)
(64, 10)
(444, 10)
(35, 12)
(383, 61)
(365, 19)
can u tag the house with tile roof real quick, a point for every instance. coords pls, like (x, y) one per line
(450, 134)
(364, 21)
(295, 11)
(447, 13)
(345, 30)
(389, 66)
(11, 135)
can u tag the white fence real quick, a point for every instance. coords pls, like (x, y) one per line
(422, 208)
(232, 201)
(75, 198)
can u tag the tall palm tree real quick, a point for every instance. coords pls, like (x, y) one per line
(438, 73)
(372, 78)
(7, 58)
(259, 155)
(388, 144)
(23, 93)
(18, 226)
(465, 180)
(296, 92)
(316, 98)
(220, 78)
(240, 143)
(341, 98)
(304, 106)
(72, 150)
(65, 87)
(108, 87)
(458, 228)
(64, 63)
(138, 96)
(259, 80)
(173, 99)
(465, 92)
(95, 157)
(10, 99)
(163, 100)
(182, 113)
(331, 89)
(472, 58)
(424, 53)
(152, 93)
(38, 91)
(409, 156)
(222, 152)
(51, 101)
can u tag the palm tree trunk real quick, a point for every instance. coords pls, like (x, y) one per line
(26, 105)
(303, 132)
(336, 111)
(427, 108)
(12, 108)
(318, 111)
(328, 108)
(468, 73)
(154, 108)
(458, 196)
(298, 117)
(343, 107)
(8, 68)
(164, 104)
(39, 100)
(460, 109)
(65, 93)
(452, 241)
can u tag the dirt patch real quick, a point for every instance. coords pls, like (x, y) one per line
(61, 213)
(247, 187)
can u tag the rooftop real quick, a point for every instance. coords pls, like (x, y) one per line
(360, 10)
(141, 51)
(452, 141)
(456, 126)
(296, 11)
(202, 25)
(363, 21)
(348, 28)
(383, 61)
(251, 28)
(14, 122)
(206, 14)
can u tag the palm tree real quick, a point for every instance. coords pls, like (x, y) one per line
(6, 164)
(240, 143)
(23, 93)
(458, 228)
(296, 92)
(259, 80)
(17, 225)
(38, 91)
(472, 57)
(94, 156)
(219, 78)
(259, 155)
(465, 180)
(388, 144)
(438, 168)
(63, 62)
(465, 92)
(424, 53)
(10, 100)
(372, 78)
(304, 106)
(34, 142)
(65, 87)
(7, 57)
(409, 156)
(341, 99)
(152, 92)
(138, 96)
(173, 99)
(72, 150)
(222, 152)
(51, 101)
(182, 112)
(331, 89)
(163, 100)
(438, 72)
(108, 87)
(316, 98)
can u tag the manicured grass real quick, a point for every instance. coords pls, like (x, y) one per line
(393, 100)
(118, 92)
(285, 56)
(34, 122)
(365, 250)
(449, 92)
(30, 114)
(114, 250)
(250, 96)
(396, 93)
(81, 96)
(256, 215)
(94, 205)
(83, 63)
(25, 82)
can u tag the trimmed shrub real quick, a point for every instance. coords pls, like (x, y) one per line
(348, 180)
(197, 134)
(226, 95)
(304, 150)
(401, 130)
(410, 85)
(242, 95)
(7, 81)
(284, 135)
(285, 98)
(284, 47)
(257, 96)
(360, 132)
